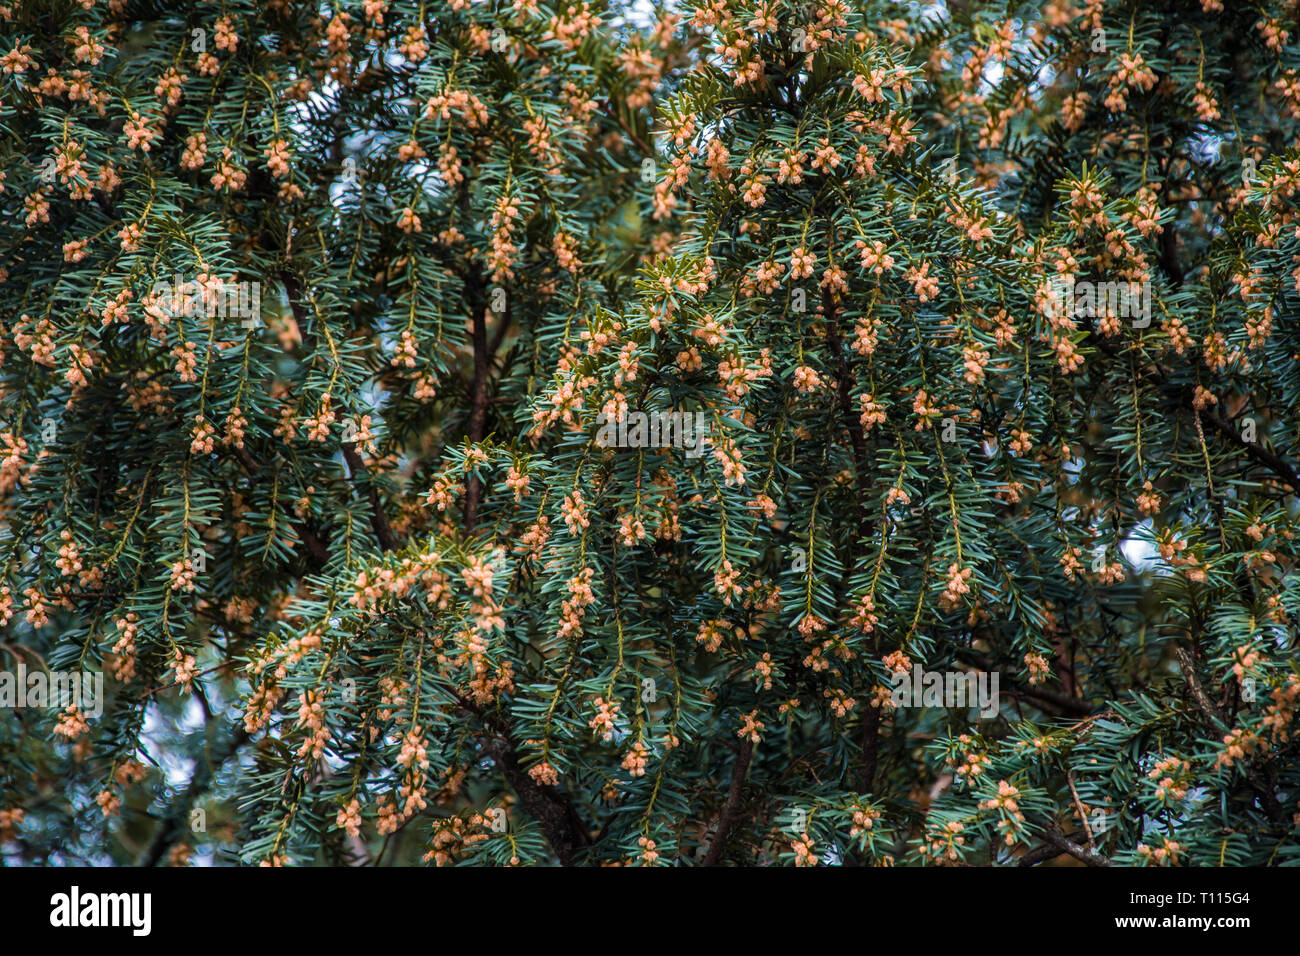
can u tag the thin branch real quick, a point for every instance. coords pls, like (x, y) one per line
(862, 478)
(612, 111)
(378, 519)
(1267, 798)
(478, 392)
(738, 771)
(1078, 805)
(318, 554)
(551, 807)
(1048, 851)
(1071, 706)
(1275, 463)
(870, 749)
(1057, 839)
(1203, 703)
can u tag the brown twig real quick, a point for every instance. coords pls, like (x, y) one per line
(378, 519)
(862, 478)
(1047, 851)
(1057, 839)
(478, 391)
(1267, 798)
(870, 749)
(1275, 463)
(1078, 805)
(738, 771)
(1070, 706)
(550, 807)
(612, 111)
(317, 553)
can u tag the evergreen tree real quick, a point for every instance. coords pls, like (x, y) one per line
(733, 433)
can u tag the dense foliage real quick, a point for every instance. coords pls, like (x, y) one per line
(314, 318)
